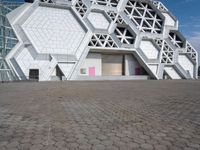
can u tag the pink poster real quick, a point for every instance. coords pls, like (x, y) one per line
(91, 71)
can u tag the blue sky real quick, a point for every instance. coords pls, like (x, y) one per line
(188, 14)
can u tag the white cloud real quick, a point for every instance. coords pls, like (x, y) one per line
(195, 41)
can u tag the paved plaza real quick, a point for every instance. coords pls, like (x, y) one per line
(111, 115)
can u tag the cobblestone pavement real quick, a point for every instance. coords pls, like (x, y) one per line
(112, 115)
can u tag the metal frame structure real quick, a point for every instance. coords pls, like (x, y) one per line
(7, 39)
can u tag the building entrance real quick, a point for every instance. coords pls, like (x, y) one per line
(112, 65)
(34, 74)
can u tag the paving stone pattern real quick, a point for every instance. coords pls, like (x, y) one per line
(111, 115)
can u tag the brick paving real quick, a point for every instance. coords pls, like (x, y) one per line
(112, 115)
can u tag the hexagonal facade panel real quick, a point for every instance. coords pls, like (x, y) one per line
(144, 16)
(177, 39)
(167, 51)
(149, 49)
(186, 64)
(98, 20)
(124, 35)
(99, 40)
(44, 28)
(112, 3)
(81, 7)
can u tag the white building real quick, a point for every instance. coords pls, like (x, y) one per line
(99, 39)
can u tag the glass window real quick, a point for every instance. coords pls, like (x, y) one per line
(7, 51)
(7, 23)
(6, 32)
(1, 30)
(9, 45)
(83, 70)
(1, 41)
(1, 20)
(1, 50)
(8, 40)
(9, 33)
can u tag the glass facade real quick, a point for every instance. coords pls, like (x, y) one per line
(7, 38)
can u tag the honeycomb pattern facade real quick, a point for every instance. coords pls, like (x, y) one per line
(102, 40)
(160, 6)
(144, 16)
(191, 51)
(167, 52)
(115, 17)
(112, 3)
(136, 27)
(81, 7)
(124, 35)
(54, 21)
(98, 20)
(176, 40)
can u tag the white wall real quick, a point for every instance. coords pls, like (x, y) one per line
(172, 73)
(149, 50)
(92, 60)
(66, 68)
(54, 31)
(98, 20)
(130, 63)
(27, 62)
(54, 72)
(169, 21)
(186, 64)
(95, 60)
(154, 68)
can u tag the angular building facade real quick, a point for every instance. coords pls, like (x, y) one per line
(99, 40)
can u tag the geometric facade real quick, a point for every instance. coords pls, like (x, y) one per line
(54, 21)
(99, 39)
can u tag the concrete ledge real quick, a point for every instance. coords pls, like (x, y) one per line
(113, 78)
